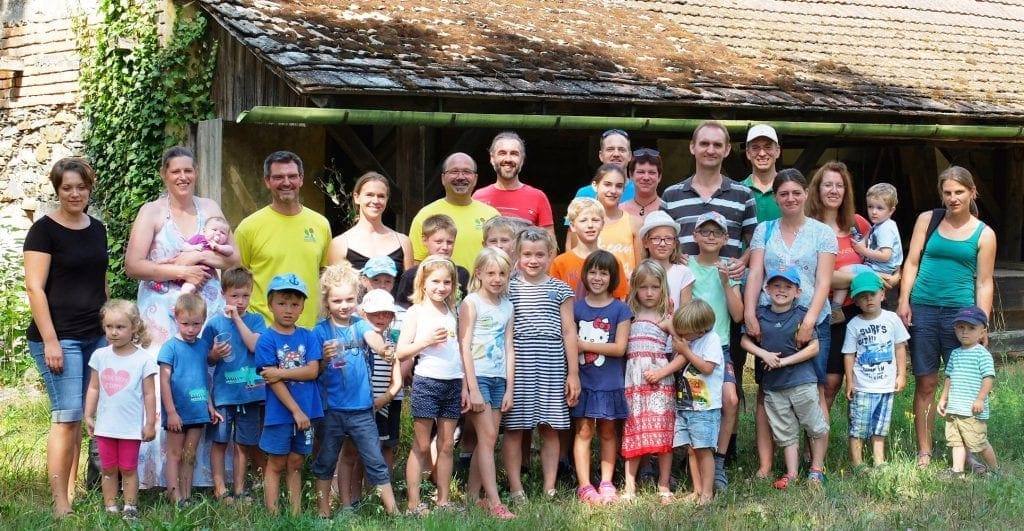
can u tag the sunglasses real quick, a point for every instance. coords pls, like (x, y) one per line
(647, 152)
(611, 132)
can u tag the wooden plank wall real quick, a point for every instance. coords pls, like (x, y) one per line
(47, 52)
(243, 81)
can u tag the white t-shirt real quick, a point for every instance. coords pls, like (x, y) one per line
(121, 413)
(678, 277)
(874, 345)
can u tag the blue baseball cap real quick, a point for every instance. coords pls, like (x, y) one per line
(380, 265)
(287, 282)
(973, 315)
(787, 272)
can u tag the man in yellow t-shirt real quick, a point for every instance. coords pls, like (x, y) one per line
(283, 237)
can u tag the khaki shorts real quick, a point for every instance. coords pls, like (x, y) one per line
(794, 408)
(970, 432)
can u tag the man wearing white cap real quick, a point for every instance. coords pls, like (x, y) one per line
(763, 150)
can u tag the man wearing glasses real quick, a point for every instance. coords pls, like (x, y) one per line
(763, 150)
(614, 149)
(510, 196)
(458, 176)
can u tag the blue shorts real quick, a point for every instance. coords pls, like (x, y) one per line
(698, 429)
(931, 338)
(432, 398)
(67, 389)
(493, 390)
(362, 429)
(242, 420)
(730, 370)
(870, 414)
(389, 425)
(284, 439)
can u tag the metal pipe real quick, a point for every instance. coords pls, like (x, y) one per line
(324, 116)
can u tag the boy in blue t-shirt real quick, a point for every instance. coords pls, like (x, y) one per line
(787, 375)
(287, 356)
(238, 392)
(187, 407)
(970, 375)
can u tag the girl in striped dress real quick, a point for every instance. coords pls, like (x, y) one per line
(652, 415)
(546, 364)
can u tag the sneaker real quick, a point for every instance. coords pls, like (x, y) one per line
(130, 513)
(112, 509)
(501, 512)
(588, 495)
(420, 511)
(721, 481)
(608, 492)
(949, 474)
(517, 498)
(837, 316)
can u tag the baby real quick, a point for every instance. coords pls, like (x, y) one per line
(213, 238)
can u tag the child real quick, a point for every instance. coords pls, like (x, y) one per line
(713, 285)
(500, 232)
(699, 360)
(618, 235)
(429, 331)
(881, 249)
(603, 332)
(379, 308)
(378, 273)
(649, 427)
(789, 382)
(439, 233)
(970, 375)
(485, 320)
(288, 358)
(213, 238)
(546, 363)
(238, 392)
(875, 357)
(120, 405)
(345, 389)
(586, 219)
(184, 384)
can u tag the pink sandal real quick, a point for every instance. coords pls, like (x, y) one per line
(587, 494)
(608, 492)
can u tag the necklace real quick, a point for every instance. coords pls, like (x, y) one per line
(643, 208)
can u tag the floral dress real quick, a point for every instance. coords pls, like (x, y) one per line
(652, 415)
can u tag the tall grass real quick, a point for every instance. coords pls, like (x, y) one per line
(898, 495)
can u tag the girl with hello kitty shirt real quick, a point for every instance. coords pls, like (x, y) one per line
(603, 330)
(120, 404)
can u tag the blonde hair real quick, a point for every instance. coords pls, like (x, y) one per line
(695, 317)
(884, 192)
(648, 269)
(486, 257)
(190, 304)
(433, 263)
(505, 223)
(583, 205)
(439, 222)
(335, 276)
(128, 309)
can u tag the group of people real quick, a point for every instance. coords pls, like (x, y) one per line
(637, 333)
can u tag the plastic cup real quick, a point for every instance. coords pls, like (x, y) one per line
(225, 337)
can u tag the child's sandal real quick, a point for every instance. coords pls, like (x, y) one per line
(783, 482)
(924, 459)
(815, 476)
(666, 498)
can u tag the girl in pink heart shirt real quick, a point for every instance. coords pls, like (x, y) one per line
(120, 405)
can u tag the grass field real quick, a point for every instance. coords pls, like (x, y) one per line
(896, 496)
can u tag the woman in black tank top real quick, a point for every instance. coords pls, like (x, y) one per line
(369, 237)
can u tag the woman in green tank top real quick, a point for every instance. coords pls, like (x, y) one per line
(944, 271)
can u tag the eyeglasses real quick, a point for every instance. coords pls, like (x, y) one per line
(611, 132)
(460, 172)
(661, 241)
(647, 152)
(711, 233)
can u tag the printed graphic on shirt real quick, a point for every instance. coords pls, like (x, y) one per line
(598, 330)
(291, 359)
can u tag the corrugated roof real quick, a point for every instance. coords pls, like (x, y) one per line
(928, 57)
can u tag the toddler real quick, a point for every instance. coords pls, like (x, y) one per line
(214, 237)
(881, 249)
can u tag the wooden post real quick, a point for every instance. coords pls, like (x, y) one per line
(209, 146)
(919, 166)
(1013, 223)
(410, 164)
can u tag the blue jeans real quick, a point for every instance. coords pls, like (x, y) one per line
(67, 389)
(824, 333)
(361, 427)
(932, 338)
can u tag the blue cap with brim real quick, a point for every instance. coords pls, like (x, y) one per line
(287, 282)
(973, 315)
(787, 272)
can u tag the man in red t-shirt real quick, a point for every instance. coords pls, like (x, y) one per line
(510, 196)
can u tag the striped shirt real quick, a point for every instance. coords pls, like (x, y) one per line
(965, 370)
(732, 200)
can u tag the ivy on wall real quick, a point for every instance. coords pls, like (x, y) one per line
(139, 96)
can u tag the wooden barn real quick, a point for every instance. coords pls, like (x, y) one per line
(897, 90)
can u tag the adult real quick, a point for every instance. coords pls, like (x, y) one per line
(659, 236)
(66, 259)
(800, 241)
(763, 150)
(156, 257)
(458, 176)
(707, 189)
(612, 149)
(830, 201)
(945, 270)
(284, 236)
(369, 236)
(644, 171)
(509, 195)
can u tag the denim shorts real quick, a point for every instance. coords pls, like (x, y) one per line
(870, 414)
(729, 376)
(698, 429)
(67, 389)
(822, 332)
(932, 338)
(493, 390)
(242, 420)
(284, 439)
(433, 398)
(389, 423)
(362, 429)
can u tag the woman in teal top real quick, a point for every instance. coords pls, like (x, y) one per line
(949, 271)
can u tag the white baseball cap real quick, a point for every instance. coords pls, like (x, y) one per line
(764, 130)
(378, 300)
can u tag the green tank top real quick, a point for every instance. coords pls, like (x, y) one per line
(948, 268)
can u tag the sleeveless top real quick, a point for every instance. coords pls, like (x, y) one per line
(358, 260)
(617, 238)
(444, 361)
(948, 267)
